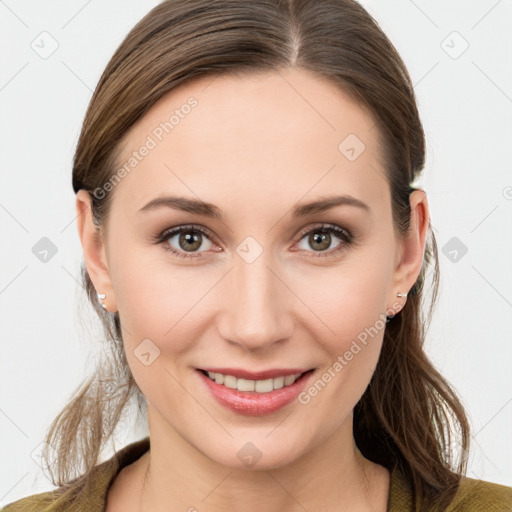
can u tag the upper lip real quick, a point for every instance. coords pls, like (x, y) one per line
(260, 375)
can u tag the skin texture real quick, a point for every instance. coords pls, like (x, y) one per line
(255, 146)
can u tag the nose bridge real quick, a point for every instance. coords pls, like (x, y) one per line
(257, 315)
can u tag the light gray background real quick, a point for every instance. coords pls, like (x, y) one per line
(465, 101)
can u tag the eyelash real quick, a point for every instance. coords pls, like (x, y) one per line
(343, 234)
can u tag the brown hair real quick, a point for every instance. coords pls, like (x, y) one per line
(409, 416)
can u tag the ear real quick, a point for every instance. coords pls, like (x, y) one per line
(93, 247)
(411, 249)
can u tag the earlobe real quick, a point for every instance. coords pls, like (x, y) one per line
(93, 248)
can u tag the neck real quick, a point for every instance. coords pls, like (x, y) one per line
(331, 476)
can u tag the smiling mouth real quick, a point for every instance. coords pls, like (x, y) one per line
(257, 386)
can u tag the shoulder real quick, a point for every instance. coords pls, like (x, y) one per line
(72, 497)
(473, 495)
(87, 493)
(43, 502)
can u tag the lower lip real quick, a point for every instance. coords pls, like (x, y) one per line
(250, 403)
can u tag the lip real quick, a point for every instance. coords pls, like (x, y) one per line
(261, 375)
(251, 403)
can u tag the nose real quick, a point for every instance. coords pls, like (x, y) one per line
(256, 305)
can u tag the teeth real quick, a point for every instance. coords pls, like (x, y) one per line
(289, 379)
(259, 386)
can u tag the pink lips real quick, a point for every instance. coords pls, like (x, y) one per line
(251, 403)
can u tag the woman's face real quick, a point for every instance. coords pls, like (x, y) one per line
(264, 285)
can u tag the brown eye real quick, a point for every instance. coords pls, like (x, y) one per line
(190, 240)
(325, 239)
(186, 239)
(319, 241)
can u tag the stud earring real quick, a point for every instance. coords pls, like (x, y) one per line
(399, 294)
(101, 299)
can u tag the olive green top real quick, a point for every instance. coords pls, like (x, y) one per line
(90, 494)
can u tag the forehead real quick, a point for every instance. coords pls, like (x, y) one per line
(234, 138)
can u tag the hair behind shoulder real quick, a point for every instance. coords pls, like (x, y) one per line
(409, 416)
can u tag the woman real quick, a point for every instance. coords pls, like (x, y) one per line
(257, 254)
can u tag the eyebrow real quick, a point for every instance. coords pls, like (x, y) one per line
(210, 210)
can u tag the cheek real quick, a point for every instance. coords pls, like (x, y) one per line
(156, 309)
(345, 300)
(347, 320)
(159, 301)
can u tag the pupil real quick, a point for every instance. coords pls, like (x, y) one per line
(191, 239)
(322, 239)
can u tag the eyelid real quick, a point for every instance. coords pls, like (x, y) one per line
(326, 226)
(167, 233)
